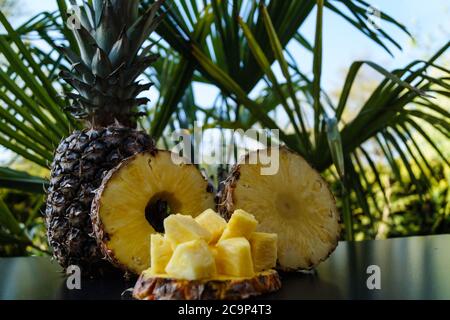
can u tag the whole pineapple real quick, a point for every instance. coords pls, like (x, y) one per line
(104, 74)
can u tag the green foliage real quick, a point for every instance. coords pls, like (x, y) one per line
(19, 180)
(32, 121)
(409, 211)
(22, 229)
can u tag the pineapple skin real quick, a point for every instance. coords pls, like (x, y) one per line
(80, 163)
(226, 206)
(165, 288)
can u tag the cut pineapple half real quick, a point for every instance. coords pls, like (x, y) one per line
(136, 197)
(295, 203)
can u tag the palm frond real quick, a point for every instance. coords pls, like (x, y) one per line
(32, 124)
(19, 180)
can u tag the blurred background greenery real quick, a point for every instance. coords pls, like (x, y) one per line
(392, 139)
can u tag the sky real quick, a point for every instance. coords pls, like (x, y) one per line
(428, 22)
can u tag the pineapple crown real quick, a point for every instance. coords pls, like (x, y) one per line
(104, 74)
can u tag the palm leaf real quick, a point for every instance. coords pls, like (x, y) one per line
(19, 180)
(32, 124)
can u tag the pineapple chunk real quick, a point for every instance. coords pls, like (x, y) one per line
(241, 224)
(192, 261)
(160, 253)
(181, 228)
(213, 250)
(264, 250)
(213, 222)
(234, 257)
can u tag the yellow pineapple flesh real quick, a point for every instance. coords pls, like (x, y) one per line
(160, 253)
(192, 260)
(264, 250)
(213, 222)
(181, 228)
(241, 224)
(294, 203)
(124, 211)
(234, 257)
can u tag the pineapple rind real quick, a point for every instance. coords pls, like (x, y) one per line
(163, 287)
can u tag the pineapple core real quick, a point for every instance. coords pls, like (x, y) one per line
(182, 228)
(241, 224)
(234, 257)
(212, 222)
(160, 253)
(264, 250)
(192, 260)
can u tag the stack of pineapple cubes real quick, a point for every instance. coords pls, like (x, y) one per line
(208, 248)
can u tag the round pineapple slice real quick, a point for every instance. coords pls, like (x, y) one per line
(294, 203)
(134, 199)
(163, 287)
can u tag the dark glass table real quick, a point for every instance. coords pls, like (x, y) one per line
(410, 268)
